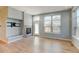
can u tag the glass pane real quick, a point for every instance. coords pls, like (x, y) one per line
(47, 21)
(56, 29)
(56, 20)
(47, 29)
(56, 23)
(47, 24)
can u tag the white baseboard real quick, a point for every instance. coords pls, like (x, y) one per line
(57, 38)
(75, 45)
(74, 42)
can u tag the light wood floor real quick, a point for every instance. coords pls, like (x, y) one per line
(36, 45)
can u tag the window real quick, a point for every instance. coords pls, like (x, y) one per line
(47, 24)
(52, 23)
(56, 23)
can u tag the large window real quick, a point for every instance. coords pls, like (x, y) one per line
(52, 23)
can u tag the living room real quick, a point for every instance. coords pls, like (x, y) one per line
(51, 29)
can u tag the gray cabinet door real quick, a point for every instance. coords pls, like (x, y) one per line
(13, 13)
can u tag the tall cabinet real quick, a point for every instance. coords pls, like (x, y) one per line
(11, 24)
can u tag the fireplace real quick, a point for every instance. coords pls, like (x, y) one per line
(28, 30)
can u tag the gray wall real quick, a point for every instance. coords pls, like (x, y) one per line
(65, 25)
(27, 19)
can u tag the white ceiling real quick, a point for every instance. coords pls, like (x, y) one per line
(34, 10)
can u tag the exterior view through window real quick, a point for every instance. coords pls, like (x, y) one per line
(56, 23)
(47, 24)
(52, 24)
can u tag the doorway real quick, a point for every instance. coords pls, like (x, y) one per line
(36, 32)
(36, 25)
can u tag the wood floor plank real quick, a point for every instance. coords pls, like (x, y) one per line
(39, 45)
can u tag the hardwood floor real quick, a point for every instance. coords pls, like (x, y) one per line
(37, 44)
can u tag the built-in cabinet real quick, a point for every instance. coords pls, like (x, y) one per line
(14, 24)
(11, 24)
(13, 13)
